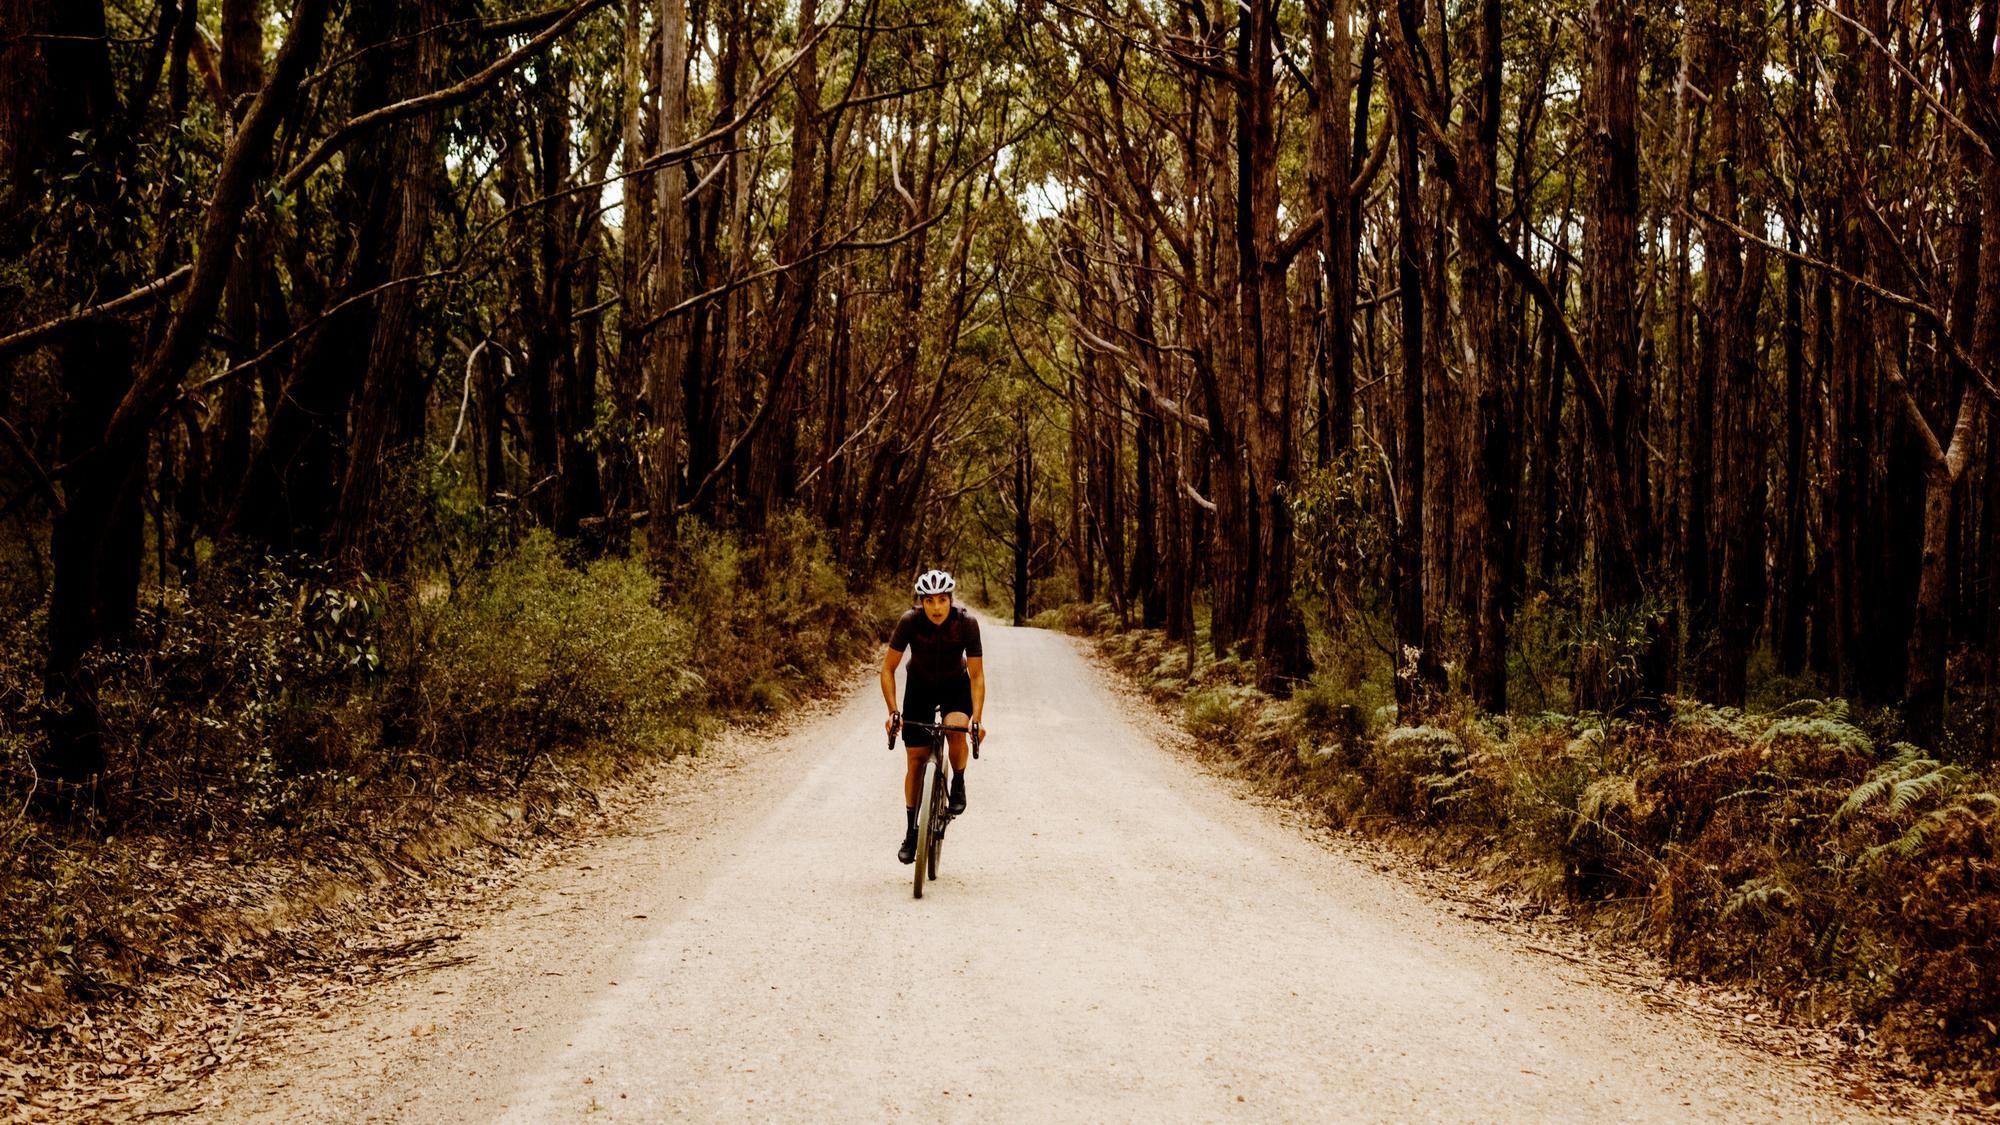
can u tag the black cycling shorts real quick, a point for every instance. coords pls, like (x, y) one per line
(944, 696)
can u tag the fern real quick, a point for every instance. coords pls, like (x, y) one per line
(1907, 781)
(1763, 894)
(1826, 729)
(1446, 787)
(1691, 715)
(1920, 831)
(1604, 798)
(1812, 709)
(1429, 746)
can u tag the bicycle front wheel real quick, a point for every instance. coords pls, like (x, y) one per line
(927, 785)
(936, 817)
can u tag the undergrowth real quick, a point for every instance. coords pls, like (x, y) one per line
(1793, 849)
(281, 740)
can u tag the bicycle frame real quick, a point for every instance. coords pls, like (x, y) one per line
(934, 811)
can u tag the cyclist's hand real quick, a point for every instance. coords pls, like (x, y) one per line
(980, 731)
(893, 723)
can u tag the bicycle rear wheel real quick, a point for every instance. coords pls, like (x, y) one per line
(938, 816)
(926, 785)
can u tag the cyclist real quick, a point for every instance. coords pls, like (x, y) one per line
(948, 673)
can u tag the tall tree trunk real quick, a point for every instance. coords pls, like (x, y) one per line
(1024, 527)
(96, 538)
(293, 491)
(582, 509)
(230, 437)
(626, 486)
(96, 542)
(388, 419)
(1626, 533)
(1924, 678)
(1333, 167)
(666, 353)
(1793, 595)
(1489, 524)
(1419, 672)
(1277, 632)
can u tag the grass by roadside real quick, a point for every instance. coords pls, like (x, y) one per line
(1788, 851)
(292, 758)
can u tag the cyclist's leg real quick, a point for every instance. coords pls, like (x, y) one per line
(917, 705)
(916, 750)
(913, 772)
(959, 745)
(958, 712)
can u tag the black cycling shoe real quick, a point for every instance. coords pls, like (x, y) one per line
(908, 854)
(957, 794)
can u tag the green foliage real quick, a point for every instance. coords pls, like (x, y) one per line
(781, 610)
(1318, 705)
(1906, 781)
(536, 653)
(286, 722)
(1418, 769)
(1912, 799)
(1327, 702)
(1541, 650)
(1337, 512)
(459, 531)
(1171, 667)
(1089, 619)
(1775, 848)
(1221, 712)
(243, 704)
(1764, 894)
(1695, 717)
(1826, 732)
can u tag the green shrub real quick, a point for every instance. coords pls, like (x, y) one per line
(1220, 714)
(781, 610)
(1318, 706)
(1414, 770)
(766, 695)
(1607, 851)
(279, 727)
(1171, 667)
(240, 701)
(1541, 648)
(1228, 670)
(1815, 743)
(535, 654)
(1088, 619)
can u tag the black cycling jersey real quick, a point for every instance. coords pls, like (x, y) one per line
(937, 652)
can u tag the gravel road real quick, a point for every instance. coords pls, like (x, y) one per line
(1114, 935)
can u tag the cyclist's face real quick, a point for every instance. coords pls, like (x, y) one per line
(936, 606)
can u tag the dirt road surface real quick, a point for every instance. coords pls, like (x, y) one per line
(1114, 935)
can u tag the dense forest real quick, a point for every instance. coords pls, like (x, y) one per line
(1538, 358)
(1562, 435)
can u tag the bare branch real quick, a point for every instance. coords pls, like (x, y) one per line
(457, 94)
(1928, 314)
(43, 483)
(28, 339)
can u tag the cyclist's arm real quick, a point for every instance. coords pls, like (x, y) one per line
(975, 669)
(890, 659)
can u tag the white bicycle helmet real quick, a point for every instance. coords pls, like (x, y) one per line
(935, 582)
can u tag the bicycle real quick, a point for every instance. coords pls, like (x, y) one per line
(933, 794)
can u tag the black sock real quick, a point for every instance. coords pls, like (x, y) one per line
(958, 780)
(911, 813)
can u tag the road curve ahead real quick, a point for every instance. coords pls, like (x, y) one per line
(1113, 936)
